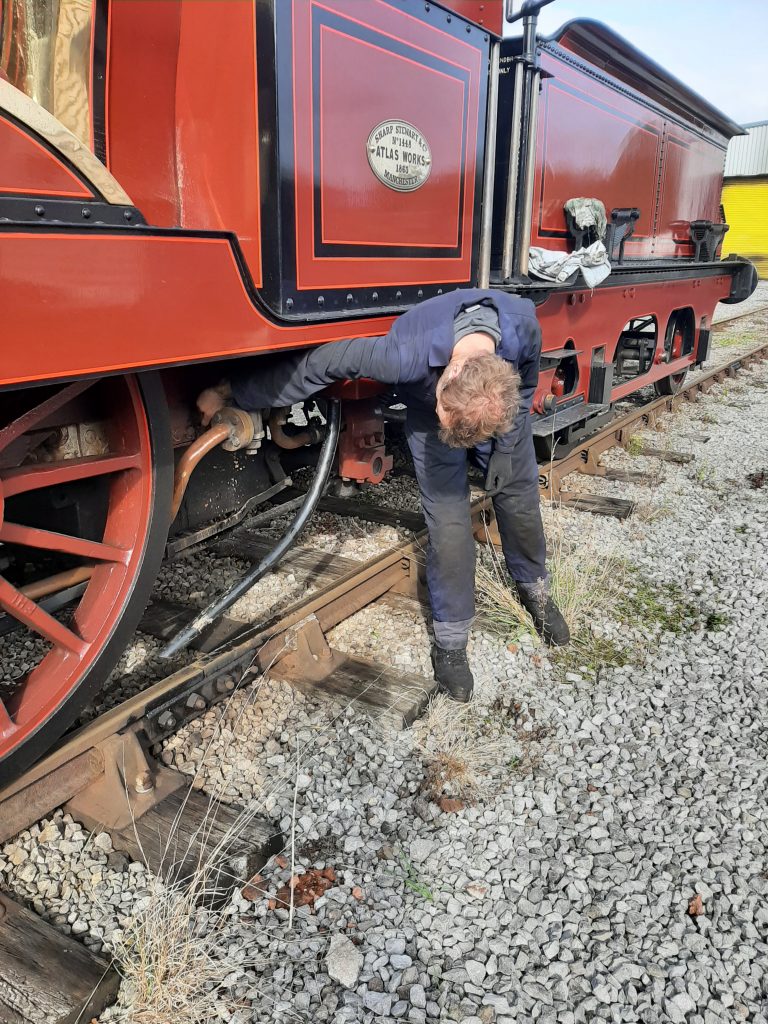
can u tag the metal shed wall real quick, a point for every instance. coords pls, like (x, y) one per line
(748, 154)
(745, 204)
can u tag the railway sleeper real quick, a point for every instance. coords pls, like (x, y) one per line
(396, 699)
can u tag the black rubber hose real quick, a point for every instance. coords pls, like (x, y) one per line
(219, 605)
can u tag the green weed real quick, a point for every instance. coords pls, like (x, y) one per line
(704, 474)
(635, 445)
(412, 880)
(735, 340)
(664, 605)
(590, 652)
(715, 622)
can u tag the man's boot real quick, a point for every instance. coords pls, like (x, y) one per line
(547, 618)
(452, 673)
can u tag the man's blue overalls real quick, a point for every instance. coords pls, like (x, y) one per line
(412, 356)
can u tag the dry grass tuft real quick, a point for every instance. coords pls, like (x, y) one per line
(175, 954)
(174, 957)
(461, 753)
(584, 579)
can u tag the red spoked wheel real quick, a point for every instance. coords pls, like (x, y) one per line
(100, 517)
(678, 340)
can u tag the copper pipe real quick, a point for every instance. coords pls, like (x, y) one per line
(186, 464)
(53, 584)
(276, 423)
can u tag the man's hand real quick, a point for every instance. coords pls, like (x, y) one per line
(499, 472)
(210, 401)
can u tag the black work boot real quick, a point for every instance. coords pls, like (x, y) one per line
(452, 673)
(547, 618)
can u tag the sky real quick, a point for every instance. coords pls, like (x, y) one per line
(718, 47)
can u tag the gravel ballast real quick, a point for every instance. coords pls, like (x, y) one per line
(615, 865)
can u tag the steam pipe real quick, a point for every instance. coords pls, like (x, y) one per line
(521, 227)
(530, 172)
(186, 464)
(512, 180)
(290, 441)
(219, 605)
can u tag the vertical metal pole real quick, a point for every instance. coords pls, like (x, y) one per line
(489, 177)
(526, 199)
(514, 161)
(522, 235)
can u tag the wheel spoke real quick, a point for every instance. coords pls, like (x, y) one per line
(29, 420)
(30, 536)
(6, 725)
(52, 474)
(39, 621)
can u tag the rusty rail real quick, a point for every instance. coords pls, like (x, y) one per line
(158, 711)
(585, 458)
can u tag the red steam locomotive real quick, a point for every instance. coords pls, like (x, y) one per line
(204, 179)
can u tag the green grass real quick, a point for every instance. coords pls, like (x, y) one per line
(590, 653)
(715, 622)
(412, 880)
(635, 445)
(663, 605)
(736, 340)
(705, 474)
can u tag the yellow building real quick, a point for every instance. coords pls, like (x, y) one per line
(745, 196)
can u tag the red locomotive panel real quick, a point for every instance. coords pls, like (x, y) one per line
(690, 186)
(590, 133)
(593, 132)
(353, 229)
(488, 13)
(25, 160)
(114, 302)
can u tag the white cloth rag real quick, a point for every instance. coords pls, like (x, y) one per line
(592, 261)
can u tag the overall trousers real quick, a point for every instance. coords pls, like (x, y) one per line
(441, 473)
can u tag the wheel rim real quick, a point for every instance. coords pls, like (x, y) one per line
(114, 558)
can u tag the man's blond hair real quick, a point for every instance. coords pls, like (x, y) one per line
(479, 400)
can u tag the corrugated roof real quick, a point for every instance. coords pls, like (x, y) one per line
(747, 155)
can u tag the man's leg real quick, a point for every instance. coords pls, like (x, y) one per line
(518, 514)
(441, 473)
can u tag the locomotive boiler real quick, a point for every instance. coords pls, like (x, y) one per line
(185, 184)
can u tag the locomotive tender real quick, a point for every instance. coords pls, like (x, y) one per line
(190, 182)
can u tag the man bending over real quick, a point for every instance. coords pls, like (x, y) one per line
(466, 365)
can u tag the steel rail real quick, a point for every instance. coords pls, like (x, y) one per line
(70, 767)
(584, 458)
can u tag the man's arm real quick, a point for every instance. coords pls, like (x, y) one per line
(528, 369)
(295, 377)
(284, 380)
